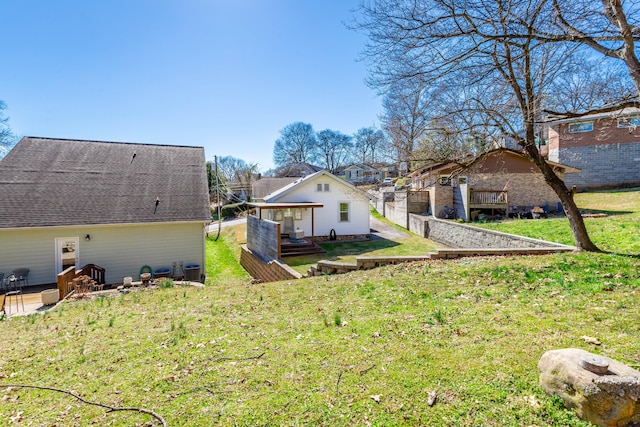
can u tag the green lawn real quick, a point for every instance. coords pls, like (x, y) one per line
(618, 232)
(365, 348)
(347, 251)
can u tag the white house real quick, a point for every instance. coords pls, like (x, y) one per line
(120, 206)
(318, 205)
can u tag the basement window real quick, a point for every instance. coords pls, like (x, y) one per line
(580, 127)
(629, 122)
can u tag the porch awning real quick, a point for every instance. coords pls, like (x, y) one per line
(285, 205)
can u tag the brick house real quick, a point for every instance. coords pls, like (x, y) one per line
(605, 147)
(501, 180)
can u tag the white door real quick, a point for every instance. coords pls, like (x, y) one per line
(67, 253)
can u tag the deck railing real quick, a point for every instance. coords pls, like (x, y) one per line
(65, 281)
(489, 197)
(94, 271)
(65, 278)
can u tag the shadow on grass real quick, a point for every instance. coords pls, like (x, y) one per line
(603, 211)
(634, 256)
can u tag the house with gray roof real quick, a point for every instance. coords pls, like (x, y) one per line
(118, 205)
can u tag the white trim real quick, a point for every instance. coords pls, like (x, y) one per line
(59, 241)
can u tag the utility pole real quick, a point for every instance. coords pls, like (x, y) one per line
(215, 159)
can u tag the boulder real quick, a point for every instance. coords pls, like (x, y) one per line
(601, 390)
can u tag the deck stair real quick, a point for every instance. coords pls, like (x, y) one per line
(303, 246)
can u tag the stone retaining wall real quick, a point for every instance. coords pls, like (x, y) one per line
(266, 270)
(457, 235)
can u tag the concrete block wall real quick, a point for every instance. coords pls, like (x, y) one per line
(396, 213)
(457, 235)
(609, 156)
(266, 270)
(605, 165)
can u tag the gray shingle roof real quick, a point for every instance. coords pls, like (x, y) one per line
(61, 182)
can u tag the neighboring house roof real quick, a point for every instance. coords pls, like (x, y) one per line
(301, 169)
(361, 166)
(62, 182)
(264, 186)
(273, 197)
(630, 111)
(458, 165)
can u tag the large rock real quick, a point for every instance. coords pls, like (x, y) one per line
(601, 390)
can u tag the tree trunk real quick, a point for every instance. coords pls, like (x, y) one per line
(580, 235)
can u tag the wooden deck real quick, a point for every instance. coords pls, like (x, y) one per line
(304, 246)
(30, 297)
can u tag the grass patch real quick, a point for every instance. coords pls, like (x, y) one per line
(348, 251)
(617, 232)
(364, 348)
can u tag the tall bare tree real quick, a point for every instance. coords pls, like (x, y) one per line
(333, 148)
(610, 27)
(406, 115)
(369, 143)
(489, 52)
(297, 144)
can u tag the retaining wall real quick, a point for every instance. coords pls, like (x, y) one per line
(266, 270)
(457, 235)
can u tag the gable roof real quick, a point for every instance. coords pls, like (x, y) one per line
(361, 166)
(270, 198)
(468, 161)
(62, 182)
(264, 186)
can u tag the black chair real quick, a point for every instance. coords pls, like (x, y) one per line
(22, 274)
(14, 289)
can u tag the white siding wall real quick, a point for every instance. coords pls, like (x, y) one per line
(328, 217)
(121, 250)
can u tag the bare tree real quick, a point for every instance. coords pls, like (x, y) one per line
(7, 138)
(407, 114)
(234, 175)
(297, 144)
(489, 52)
(368, 144)
(610, 27)
(333, 148)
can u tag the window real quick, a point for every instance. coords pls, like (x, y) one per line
(629, 122)
(322, 186)
(297, 214)
(344, 212)
(278, 215)
(580, 127)
(445, 180)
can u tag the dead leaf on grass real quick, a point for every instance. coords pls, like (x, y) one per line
(591, 340)
(376, 397)
(433, 396)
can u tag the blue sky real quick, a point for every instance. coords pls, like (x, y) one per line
(227, 75)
